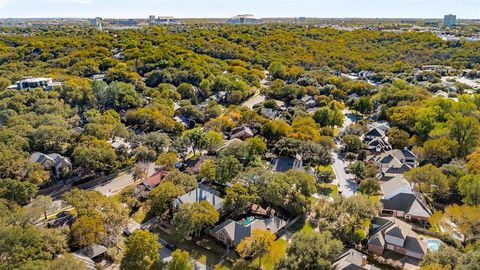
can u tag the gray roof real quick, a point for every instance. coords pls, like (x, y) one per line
(394, 184)
(202, 193)
(283, 164)
(407, 203)
(377, 132)
(236, 230)
(377, 240)
(415, 245)
(352, 259)
(92, 251)
(396, 231)
(56, 159)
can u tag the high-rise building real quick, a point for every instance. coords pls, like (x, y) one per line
(450, 20)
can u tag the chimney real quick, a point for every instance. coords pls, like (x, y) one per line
(364, 261)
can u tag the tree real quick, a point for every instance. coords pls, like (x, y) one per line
(369, 186)
(358, 169)
(185, 181)
(462, 220)
(156, 140)
(445, 256)
(95, 155)
(88, 230)
(139, 172)
(214, 139)
(469, 187)
(228, 168)
(207, 170)
(473, 164)
(364, 105)
(275, 130)
(192, 218)
(180, 261)
(277, 70)
(45, 203)
(141, 251)
(352, 143)
(197, 139)
(311, 250)
(144, 154)
(162, 195)
(439, 151)
(428, 178)
(256, 246)
(238, 198)
(167, 160)
(186, 90)
(398, 138)
(19, 192)
(465, 130)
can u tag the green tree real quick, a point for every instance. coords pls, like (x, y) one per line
(428, 178)
(465, 130)
(167, 160)
(398, 138)
(185, 181)
(45, 203)
(311, 250)
(88, 230)
(277, 70)
(162, 195)
(192, 218)
(66, 262)
(141, 251)
(358, 169)
(364, 105)
(180, 261)
(469, 187)
(19, 192)
(352, 143)
(238, 198)
(95, 155)
(369, 186)
(228, 168)
(207, 170)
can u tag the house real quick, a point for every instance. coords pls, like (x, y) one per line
(378, 145)
(58, 164)
(308, 102)
(353, 259)
(31, 82)
(93, 252)
(394, 162)
(283, 164)
(406, 205)
(241, 133)
(373, 134)
(118, 142)
(397, 236)
(63, 218)
(202, 193)
(395, 186)
(155, 179)
(232, 232)
(131, 227)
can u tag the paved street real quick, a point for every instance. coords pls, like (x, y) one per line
(121, 182)
(256, 99)
(342, 179)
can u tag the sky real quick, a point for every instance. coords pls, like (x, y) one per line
(468, 9)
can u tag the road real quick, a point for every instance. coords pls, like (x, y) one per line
(342, 179)
(118, 184)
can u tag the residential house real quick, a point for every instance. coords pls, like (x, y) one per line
(406, 205)
(271, 113)
(353, 259)
(394, 162)
(155, 179)
(395, 186)
(373, 134)
(241, 133)
(31, 82)
(93, 252)
(397, 236)
(378, 145)
(58, 164)
(283, 164)
(232, 232)
(202, 193)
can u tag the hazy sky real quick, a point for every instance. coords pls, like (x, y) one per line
(227, 8)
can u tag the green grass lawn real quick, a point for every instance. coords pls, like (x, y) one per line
(301, 226)
(203, 249)
(328, 190)
(141, 215)
(327, 168)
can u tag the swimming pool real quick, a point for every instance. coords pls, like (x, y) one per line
(246, 221)
(433, 244)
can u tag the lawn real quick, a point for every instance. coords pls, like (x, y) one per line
(328, 190)
(301, 226)
(141, 215)
(327, 168)
(203, 249)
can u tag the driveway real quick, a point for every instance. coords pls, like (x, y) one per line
(256, 99)
(118, 184)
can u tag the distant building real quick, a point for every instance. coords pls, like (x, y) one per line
(96, 22)
(202, 193)
(162, 20)
(450, 20)
(31, 82)
(244, 19)
(58, 164)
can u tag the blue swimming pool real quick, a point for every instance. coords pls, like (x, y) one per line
(433, 244)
